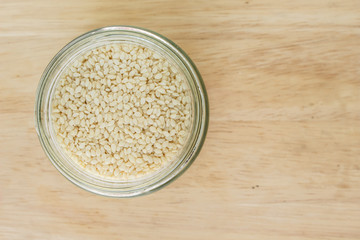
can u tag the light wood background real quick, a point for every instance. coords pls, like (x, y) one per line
(282, 156)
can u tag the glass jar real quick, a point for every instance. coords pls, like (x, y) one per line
(115, 187)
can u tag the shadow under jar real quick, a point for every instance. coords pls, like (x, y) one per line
(108, 186)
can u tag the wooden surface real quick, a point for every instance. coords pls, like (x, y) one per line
(282, 156)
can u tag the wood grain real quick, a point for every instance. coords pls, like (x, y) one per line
(282, 156)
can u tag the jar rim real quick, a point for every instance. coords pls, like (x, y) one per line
(202, 97)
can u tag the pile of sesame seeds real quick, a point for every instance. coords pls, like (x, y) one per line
(122, 111)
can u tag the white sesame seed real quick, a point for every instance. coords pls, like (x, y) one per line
(158, 76)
